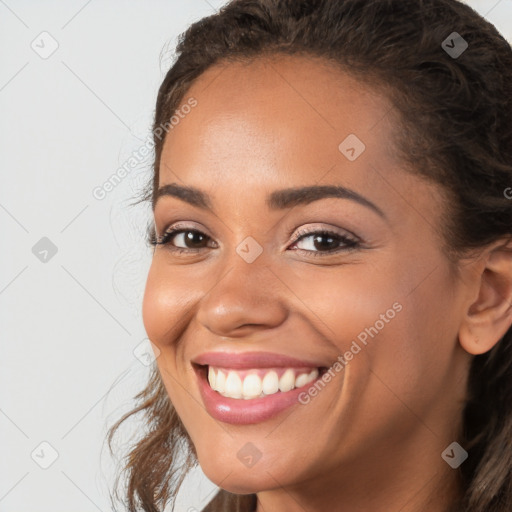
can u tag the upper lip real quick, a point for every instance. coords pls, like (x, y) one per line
(246, 360)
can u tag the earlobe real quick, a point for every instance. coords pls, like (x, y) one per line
(489, 317)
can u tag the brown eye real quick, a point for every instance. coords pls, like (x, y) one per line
(184, 239)
(190, 238)
(324, 242)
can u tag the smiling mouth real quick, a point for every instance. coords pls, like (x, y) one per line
(248, 384)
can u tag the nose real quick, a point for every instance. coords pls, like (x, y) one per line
(245, 297)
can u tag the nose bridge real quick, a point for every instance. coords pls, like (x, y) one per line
(246, 293)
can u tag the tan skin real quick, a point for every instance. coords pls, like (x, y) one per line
(372, 439)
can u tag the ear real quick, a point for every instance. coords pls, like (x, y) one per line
(489, 316)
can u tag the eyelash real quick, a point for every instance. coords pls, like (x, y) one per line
(164, 240)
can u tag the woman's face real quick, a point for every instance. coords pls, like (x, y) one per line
(387, 309)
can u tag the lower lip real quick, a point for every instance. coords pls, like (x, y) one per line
(246, 412)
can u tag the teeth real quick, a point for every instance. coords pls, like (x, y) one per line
(250, 385)
(211, 377)
(287, 380)
(312, 375)
(220, 380)
(270, 383)
(233, 386)
(301, 380)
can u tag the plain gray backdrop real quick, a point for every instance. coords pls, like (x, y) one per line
(78, 84)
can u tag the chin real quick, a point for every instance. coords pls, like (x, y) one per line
(237, 479)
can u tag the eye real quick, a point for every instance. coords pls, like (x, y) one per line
(181, 240)
(324, 242)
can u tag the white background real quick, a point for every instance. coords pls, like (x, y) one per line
(69, 326)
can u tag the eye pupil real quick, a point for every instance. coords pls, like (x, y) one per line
(319, 245)
(194, 237)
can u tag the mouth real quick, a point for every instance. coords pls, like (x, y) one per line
(246, 389)
(258, 382)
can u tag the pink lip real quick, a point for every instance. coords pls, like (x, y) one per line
(256, 410)
(245, 360)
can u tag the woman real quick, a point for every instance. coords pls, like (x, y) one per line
(331, 286)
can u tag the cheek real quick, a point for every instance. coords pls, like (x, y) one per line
(410, 351)
(163, 306)
(344, 302)
(155, 307)
(166, 315)
(161, 312)
(383, 317)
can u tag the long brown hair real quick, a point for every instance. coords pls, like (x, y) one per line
(455, 128)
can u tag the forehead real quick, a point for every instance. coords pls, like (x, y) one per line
(275, 110)
(300, 86)
(278, 122)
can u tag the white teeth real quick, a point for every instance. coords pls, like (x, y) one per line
(313, 374)
(306, 378)
(233, 386)
(287, 380)
(252, 386)
(220, 381)
(211, 377)
(270, 384)
(301, 380)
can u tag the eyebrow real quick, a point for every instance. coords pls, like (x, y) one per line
(277, 200)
